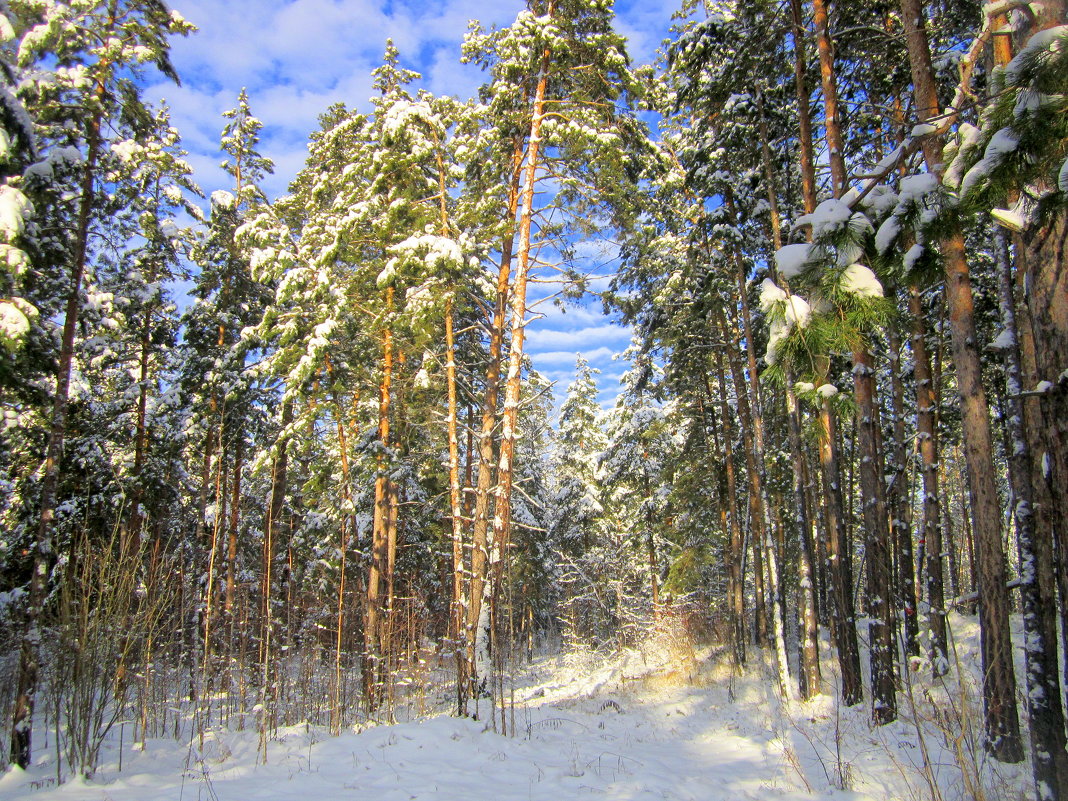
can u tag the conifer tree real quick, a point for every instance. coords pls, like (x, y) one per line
(1002, 724)
(558, 96)
(105, 43)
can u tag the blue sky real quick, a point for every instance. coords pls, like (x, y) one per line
(296, 57)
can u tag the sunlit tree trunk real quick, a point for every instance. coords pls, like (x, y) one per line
(736, 577)
(999, 682)
(838, 552)
(502, 517)
(380, 536)
(483, 496)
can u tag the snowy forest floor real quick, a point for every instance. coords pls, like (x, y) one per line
(657, 722)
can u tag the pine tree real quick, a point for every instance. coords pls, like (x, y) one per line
(558, 96)
(1002, 725)
(94, 90)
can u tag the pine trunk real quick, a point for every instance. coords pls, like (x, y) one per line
(736, 575)
(131, 541)
(502, 518)
(839, 561)
(898, 499)
(759, 522)
(999, 682)
(455, 502)
(43, 553)
(877, 549)
(483, 496)
(379, 566)
(235, 520)
(1049, 759)
(809, 679)
(930, 535)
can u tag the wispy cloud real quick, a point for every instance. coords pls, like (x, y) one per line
(297, 57)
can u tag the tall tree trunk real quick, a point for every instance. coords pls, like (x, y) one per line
(43, 552)
(502, 517)
(884, 703)
(752, 386)
(804, 113)
(999, 681)
(839, 560)
(483, 496)
(455, 504)
(1048, 756)
(898, 499)
(235, 521)
(131, 541)
(272, 536)
(736, 575)
(759, 522)
(809, 678)
(379, 566)
(930, 536)
(877, 553)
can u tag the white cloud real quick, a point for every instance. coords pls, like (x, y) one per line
(568, 357)
(590, 337)
(297, 57)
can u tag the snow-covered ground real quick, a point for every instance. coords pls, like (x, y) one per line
(653, 723)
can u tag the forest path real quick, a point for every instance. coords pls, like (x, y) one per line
(621, 731)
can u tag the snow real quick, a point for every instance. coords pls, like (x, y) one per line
(914, 188)
(968, 136)
(797, 311)
(913, 255)
(7, 32)
(826, 390)
(14, 259)
(666, 719)
(861, 281)
(1009, 218)
(887, 234)
(770, 294)
(830, 215)
(791, 259)
(221, 199)
(126, 150)
(1003, 341)
(616, 730)
(15, 207)
(14, 324)
(1001, 144)
(1051, 39)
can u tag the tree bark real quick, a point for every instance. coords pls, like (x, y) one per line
(877, 552)
(930, 535)
(736, 563)
(379, 566)
(483, 496)
(999, 682)
(839, 560)
(898, 500)
(881, 643)
(1048, 756)
(43, 552)
(502, 517)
